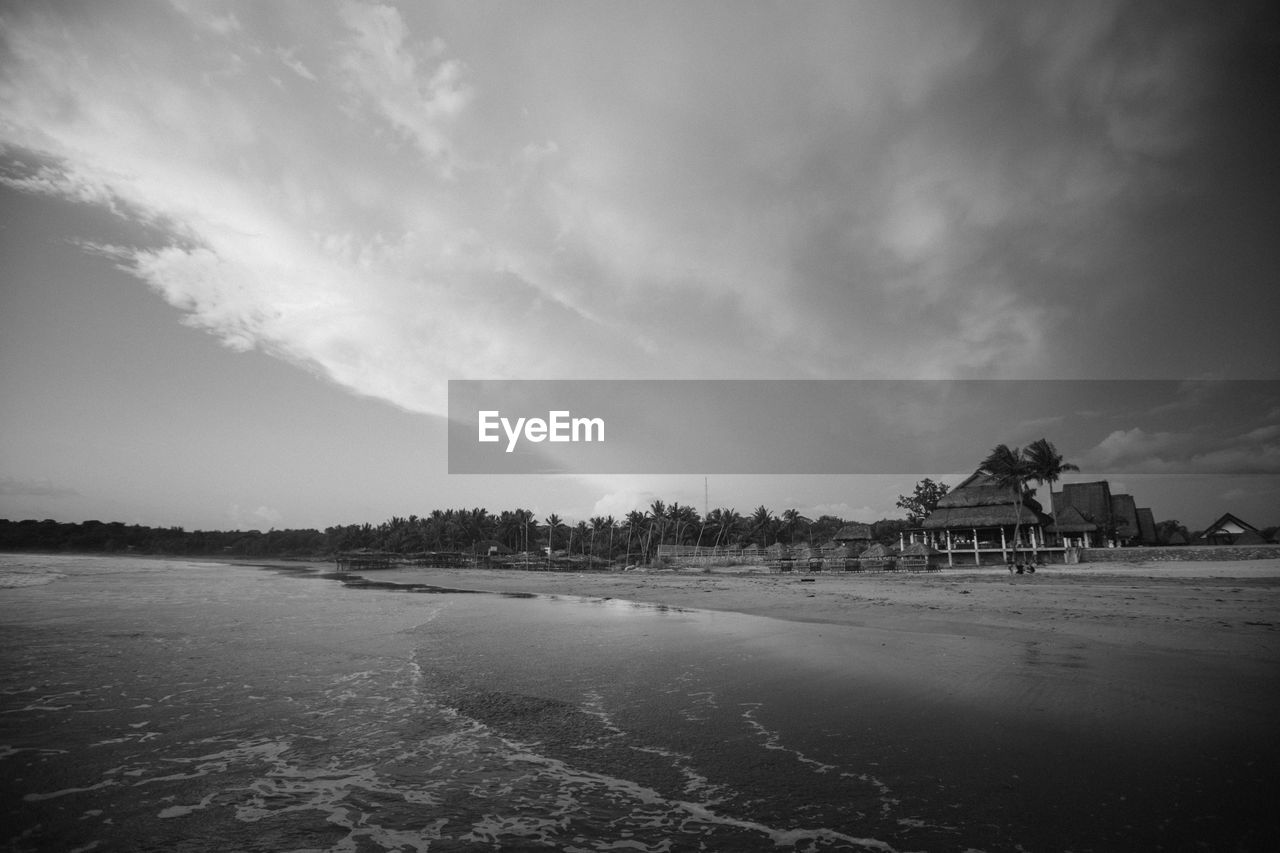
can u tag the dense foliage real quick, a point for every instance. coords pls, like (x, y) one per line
(633, 537)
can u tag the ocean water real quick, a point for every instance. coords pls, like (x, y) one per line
(191, 706)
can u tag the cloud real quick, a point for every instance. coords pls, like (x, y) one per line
(241, 518)
(618, 504)
(869, 191)
(408, 83)
(290, 61)
(1138, 451)
(202, 17)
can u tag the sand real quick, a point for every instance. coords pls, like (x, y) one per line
(1230, 606)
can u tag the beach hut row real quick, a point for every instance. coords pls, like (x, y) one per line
(877, 557)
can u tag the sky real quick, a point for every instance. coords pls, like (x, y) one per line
(244, 247)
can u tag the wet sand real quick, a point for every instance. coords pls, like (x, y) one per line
(1211, 606)
(156, 701)
(1159, 680)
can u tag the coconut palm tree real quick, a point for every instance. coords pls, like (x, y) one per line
(658, 514)
(635, 519)
(684, 519)
(762, 524)
(554, 523)
(527, 520)
(1046, 465)
(610, 524)
(1010, 469)
(791, 521)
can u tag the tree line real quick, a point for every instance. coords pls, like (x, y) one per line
(635, 536)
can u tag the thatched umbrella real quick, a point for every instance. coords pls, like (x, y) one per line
(918, 556)
(842, 557)
(878, 557)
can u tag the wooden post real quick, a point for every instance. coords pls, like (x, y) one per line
(977, 558)
(950, 557)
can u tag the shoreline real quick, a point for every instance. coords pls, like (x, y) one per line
(1130, 691)
(1214, 607)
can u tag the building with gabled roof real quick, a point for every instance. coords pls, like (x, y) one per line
(1124, 518)
(1071, 527)
(1229, 530)
(1116, 516)
(1146, 526)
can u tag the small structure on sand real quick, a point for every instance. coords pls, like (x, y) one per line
(779, 557)
(842, 559)
(919, 557)
(877, 558)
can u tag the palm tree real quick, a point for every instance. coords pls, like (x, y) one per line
(684, 518)
(597, 524)
(526, 518)
(507, 528)
(436, 526)
(635, 518)
(730, 524)
(791, 521)
(1046, 465)
(554, 523)
(1010, 469)
(762, 522)
(611, 524)
(658, 512)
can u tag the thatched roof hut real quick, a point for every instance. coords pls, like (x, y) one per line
(1093, 500)
(979, 502)
(1146, 526)
(878, 556)
(853, 533)
(919, 556)
(1124, 515)
(1069, 520)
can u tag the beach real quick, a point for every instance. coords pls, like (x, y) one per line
(1165, 665)
(158, 704)
(1227, 606)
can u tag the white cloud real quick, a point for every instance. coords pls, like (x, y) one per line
(1138, 451)
(199, 14)
(618, 504)
(407, 81)
(401, 219)
(263, 517)
(291, 61)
